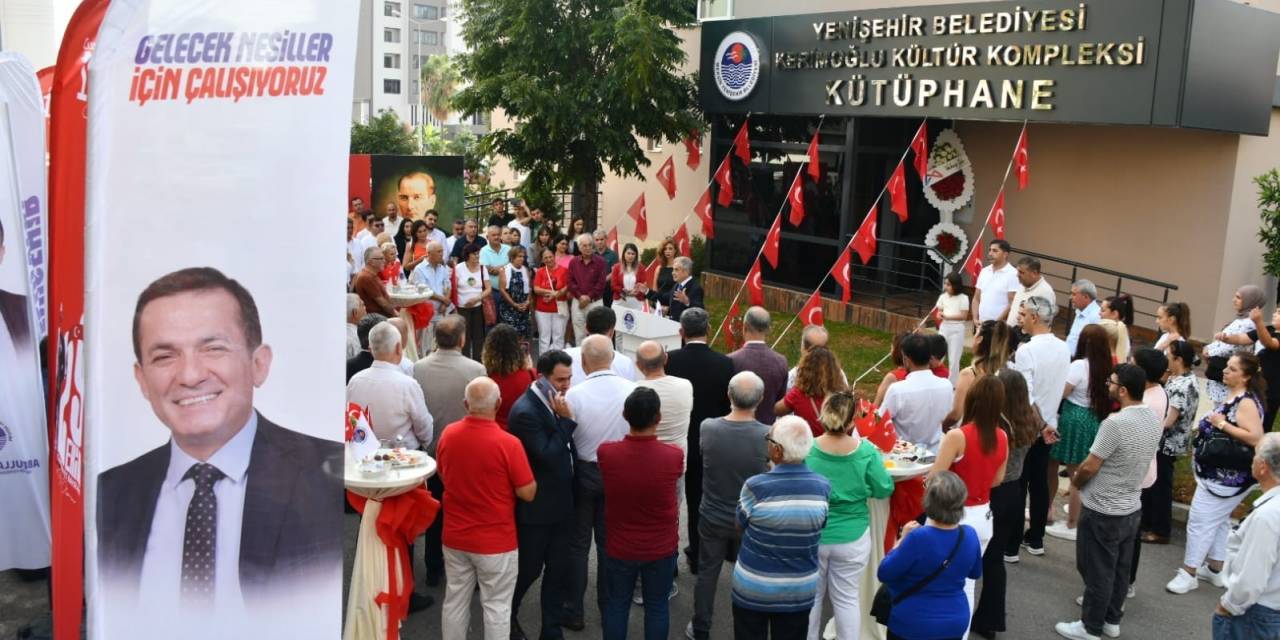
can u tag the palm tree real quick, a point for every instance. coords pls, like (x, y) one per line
(439, 81)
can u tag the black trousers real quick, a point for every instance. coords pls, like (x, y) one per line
(693, 496)
(474, 343)
(758, 625)
(1157, 500)
(1035, 481)
(1006, 526)
(1104, 553)
(433, 557)
(544, 551)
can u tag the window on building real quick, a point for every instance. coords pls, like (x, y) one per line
(391, 61)
(391, 9)
(390, 86)
(426, 12)
(654, 145)
(442, 12)
(715, 9)
(413, 89)
(426, 37)
(391, 35)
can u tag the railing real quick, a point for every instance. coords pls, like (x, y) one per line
(903, 277)
(477, 206)
(1147, 294)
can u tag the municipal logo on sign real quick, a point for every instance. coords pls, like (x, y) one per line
(5, 436)
(737, 66)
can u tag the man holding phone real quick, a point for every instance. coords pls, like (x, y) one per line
(544, 423)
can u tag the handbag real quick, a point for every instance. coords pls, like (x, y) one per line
(490, 311)
(882, 604)
(1214, 368)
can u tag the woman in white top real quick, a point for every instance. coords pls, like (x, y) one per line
(630, 282)
(1174, 319)
(953, 309)
(1230, 340)
(472, 287)
(1088, 403)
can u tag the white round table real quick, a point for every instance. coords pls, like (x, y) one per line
(403, 297)
(366, 619)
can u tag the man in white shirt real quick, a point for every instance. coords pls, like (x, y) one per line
(814, 335)
(524, 225)
(392, 221)
(355, 311)
(1031, 284)
(600, 322)
(919, 403)
(996, 285)
(1043, 361)
(675, 395)
(368, 236)
(430, 218)
(597, 404)
(1250, 608)
(395, 402)
(459, 231)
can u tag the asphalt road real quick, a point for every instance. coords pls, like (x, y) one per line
(1042, 591)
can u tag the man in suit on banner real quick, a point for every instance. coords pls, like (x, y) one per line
(687, 293)
(234, 512)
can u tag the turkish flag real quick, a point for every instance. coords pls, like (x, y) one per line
(864, 240)
(657, 262)
(920, 148)
(641, 216)
(724, 178)
(795, 196)
(995, 219)
(693, 147)
(742, 145)
(842, 271)
(898, 192)
(755, 285)
(812, 311)
(681, 238)
(667, 176)
(973, 264)
(815, 167)
(728, 329)
(703, 210)
(612, 240)
(1020, 162)
(772, 240)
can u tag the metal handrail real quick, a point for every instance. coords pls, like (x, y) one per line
(1089, 267)
(1121, 279)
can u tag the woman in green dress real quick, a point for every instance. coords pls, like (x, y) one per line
(1086, 403)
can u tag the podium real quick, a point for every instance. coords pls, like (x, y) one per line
(634, 326)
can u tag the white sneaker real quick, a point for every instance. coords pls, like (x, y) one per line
(1061, 530)
(1133, 593)
(1074, 630)
(1080, 600)
(1111, 630)
(1212, 577)
(1012, 559)
(1182, 582)
(1035, 551)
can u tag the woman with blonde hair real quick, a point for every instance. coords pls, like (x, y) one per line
(856, 471)
(818, 376)
(990, 354)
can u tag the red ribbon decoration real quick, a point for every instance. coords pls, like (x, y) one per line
(403, 518)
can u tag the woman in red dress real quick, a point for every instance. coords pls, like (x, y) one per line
(817, 376)
(507, 363)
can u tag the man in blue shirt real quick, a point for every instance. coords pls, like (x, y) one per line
(781, 514)
(493, 256)
(1084, 299)
(434, 273)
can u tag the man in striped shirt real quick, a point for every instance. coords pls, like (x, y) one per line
(781, 514)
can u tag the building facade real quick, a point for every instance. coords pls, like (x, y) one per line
(395, 37)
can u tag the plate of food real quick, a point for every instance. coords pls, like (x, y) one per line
(400, 458)
(907, 460)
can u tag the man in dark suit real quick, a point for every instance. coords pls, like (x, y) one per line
(364, 359)
(687, 293)
(543, 421)
(757, 357)
(231, 494)
(709, 372)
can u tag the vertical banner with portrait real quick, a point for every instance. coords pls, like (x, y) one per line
(213, 423)
(24, 441)
(416, 184)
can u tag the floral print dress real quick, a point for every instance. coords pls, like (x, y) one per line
(1184, 395)
(1216, 390)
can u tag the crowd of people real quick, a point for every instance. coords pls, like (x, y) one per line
(545, 449)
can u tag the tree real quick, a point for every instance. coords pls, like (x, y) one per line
(383, 134)
(582, 80)
(439, 82)
(1269, 227)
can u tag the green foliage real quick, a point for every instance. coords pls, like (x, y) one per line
(1269, 212)
(432, 141)
(582, 80)
(439, 81)
(384, 134)
(698, 252)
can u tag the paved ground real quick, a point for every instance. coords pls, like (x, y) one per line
(1042, 591)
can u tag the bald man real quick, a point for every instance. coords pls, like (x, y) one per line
(405, 364)
(813, 336)
(597, 404)
(486, 471)
(675, 393)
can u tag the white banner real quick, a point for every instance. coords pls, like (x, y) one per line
(24, 439)
(217, 161)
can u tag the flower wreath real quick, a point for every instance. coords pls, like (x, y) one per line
(949, 240)
(948, 186)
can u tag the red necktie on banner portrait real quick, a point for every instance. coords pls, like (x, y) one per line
(864, 240)
(612, 240)
(842, 271)
(1021, 165)
(772, 240)
(724, 178)
(815, 167)
(973, 264)
(898, 192)
(995, 219)
(681, 238)
(920, 149)
(795, 196)
(693, 147)
(641, 216)
(755, 285)
(667, 176)
(742, 145)
(703, 210)
(812, 311)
